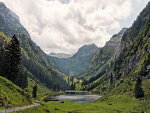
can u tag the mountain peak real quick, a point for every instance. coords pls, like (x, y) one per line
(89, 46)
(85, 50)
(1, 3)
(123, 30)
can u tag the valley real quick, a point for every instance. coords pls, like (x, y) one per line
(110, 79)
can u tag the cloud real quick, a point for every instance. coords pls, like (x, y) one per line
(58, 27)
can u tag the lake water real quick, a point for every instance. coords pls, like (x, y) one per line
(79, 98)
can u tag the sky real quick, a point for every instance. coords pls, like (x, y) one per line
(62, 26)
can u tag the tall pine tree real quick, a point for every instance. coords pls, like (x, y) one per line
(12, 60)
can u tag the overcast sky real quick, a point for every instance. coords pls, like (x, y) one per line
(61, 26)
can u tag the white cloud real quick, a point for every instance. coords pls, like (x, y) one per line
(57, 27)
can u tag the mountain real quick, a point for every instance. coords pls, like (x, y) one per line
(100, 61)
(78, 63)
(33, 58)
(134, 54)
(9, 21)
(117, 68)
(60, 55)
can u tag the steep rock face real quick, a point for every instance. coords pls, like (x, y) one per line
(116, 39)
(34, 59)
(107, 52)
(135, 47)
(78, 63)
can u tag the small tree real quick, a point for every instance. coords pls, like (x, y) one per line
(34, 92)
(73, 86)
(138, 91)
(111, 79)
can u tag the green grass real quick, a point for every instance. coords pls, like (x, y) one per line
(12, 95)
(114, 104)
(42, 90)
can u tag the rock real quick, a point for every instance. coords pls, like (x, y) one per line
(56, 109)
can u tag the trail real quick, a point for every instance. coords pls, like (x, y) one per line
(18, 108)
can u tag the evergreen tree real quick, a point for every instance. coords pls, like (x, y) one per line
(111, 79)
(2, 51)
(22, 80)
(73, 86)
(139, 93)
(12, 60)
(34, 92)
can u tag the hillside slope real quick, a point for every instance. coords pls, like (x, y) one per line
(11, 95)
(34, 59)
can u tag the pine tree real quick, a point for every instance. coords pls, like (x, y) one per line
(34, 92)
(139, 93)
(2, 51)
(111, 79)
(12, 60)
(22, 80)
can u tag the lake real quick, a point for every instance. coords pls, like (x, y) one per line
(79, 98)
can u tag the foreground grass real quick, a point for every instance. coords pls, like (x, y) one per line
(11, 95)
(114, 104)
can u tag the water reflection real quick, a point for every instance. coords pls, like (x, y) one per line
(79, 98)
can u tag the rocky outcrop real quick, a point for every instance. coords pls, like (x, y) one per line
(111, 49)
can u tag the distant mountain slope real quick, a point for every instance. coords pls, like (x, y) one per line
(60, 55)
(34, 59)
(78, 63)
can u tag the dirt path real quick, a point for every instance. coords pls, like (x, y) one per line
(18, 108)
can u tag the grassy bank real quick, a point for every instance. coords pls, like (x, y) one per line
(11, 95)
